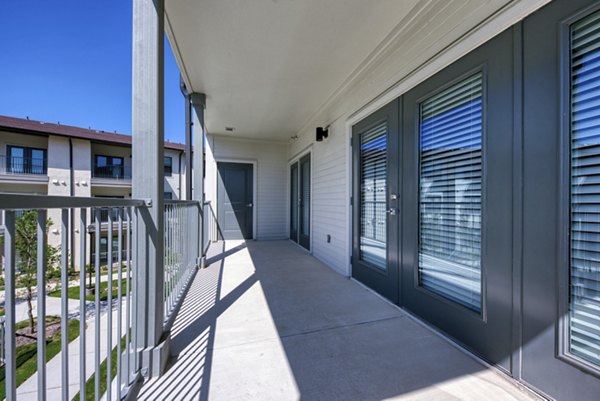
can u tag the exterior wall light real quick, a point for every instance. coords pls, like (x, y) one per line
(322, 133)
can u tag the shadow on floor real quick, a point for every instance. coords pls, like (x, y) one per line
(267, 321)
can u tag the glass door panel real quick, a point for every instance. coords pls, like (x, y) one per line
(373, 194)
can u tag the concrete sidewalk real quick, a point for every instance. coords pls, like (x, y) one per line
(267, 321)
(27, 391)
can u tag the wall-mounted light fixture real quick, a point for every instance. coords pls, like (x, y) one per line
(322, 133)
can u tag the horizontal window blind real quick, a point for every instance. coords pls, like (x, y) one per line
(450, 193)
(373, 190)
(584, 310)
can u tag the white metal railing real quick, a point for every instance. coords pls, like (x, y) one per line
(210, 226)
(108, 317)
(183, 223)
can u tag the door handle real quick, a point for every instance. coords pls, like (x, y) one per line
(249, 205)
(392, 211)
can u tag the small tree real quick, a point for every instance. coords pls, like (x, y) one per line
(26, 248)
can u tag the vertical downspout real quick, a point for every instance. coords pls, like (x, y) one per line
(179, 195)
(72, 211)
(188, 139)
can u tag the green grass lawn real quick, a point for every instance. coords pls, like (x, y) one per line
(89, 384)
(73, 292)
(27, 354)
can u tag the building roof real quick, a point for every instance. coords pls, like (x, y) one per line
(43, 128)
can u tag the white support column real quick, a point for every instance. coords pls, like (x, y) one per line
(198, 101)
(148, 180)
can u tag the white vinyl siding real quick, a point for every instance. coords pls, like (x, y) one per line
(330, 200)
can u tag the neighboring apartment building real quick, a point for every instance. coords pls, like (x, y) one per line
(52, 159)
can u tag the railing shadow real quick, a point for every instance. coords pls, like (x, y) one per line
(193, 334)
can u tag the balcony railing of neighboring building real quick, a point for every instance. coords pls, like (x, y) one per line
(23, 165)
(112, 172)
(116, 313)
(104, 215)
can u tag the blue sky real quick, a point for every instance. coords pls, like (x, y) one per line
(70, 61)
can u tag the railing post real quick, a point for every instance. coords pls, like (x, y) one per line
(198, 101)
(9, 306)
(148, 173)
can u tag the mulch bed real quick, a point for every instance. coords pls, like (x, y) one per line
(23, 336)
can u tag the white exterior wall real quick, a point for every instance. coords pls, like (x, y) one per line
(271, 178)
(176, 182)
(57, 182)
(82, 167)
(330, 186)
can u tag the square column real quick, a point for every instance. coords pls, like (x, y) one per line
(148, 181)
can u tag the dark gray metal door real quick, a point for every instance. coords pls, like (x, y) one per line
(376, 201)
(235, 200)
(561, 301)
(294, 202)
(457, 248)
(304, 202)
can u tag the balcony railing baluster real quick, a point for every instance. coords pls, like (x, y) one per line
(23, 165)
(182, 253)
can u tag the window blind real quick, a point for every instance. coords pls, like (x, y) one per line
(584, 308)
(450, 192)
(373, 190)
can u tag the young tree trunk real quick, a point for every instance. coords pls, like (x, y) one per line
(30, 310)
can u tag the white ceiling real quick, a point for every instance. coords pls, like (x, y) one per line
(267, 66)
(270, 67)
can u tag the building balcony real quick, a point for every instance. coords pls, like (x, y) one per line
(111, 176)
(23, 169)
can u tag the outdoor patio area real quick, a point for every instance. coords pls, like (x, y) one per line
(267, 321)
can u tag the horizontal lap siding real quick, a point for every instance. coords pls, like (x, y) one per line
(330, 204)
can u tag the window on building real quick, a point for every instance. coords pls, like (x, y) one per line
(168, 166)
(169, 195)
(109, 167)
(450, 192)
(24, 160)
(373, 193)
(104, 248)
(584, 305)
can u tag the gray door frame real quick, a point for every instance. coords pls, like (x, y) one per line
(385, 282)
(304, 240)
(294, 204)
(254, 188)
(487, 333)
(546, 361)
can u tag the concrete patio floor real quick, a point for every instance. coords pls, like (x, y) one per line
(267, 321)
